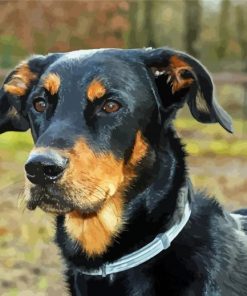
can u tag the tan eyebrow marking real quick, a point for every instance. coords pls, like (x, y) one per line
(96, 90)
(52, 83)
(20, 81)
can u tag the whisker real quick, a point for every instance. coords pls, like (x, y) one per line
(21, 201)
(95, 187)
(10, 185)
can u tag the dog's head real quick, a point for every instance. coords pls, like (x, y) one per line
(96, 118)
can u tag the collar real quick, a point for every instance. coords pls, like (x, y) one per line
(161, 242)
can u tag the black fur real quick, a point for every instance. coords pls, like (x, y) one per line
(209, 256)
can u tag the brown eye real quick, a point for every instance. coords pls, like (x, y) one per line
(111, 106)
(39, 105)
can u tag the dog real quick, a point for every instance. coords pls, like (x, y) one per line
(107, 162)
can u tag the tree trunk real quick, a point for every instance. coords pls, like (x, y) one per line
(193, 13)
(241, 25)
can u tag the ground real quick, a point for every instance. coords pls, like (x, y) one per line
(29, 261)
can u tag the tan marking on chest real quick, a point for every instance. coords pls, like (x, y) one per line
(52, 83)
(96, 232)
(96, 90)
(20, 81)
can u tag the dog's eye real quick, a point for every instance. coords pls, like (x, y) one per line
(39, 105)
(111, 106)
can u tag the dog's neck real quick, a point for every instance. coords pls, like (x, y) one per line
(147, 213)
(153, 209)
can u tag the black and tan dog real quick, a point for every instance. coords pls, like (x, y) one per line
(108, 163)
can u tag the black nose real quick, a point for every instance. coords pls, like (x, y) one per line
(46, 167)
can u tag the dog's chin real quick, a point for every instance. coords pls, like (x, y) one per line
(48, 208)
(49, 205)
(54, 202)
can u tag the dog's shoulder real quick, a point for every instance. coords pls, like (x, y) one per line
(240, 217)
(216, 224)
(218, 241)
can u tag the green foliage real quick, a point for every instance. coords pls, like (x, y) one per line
(10, 50)
(14, 149)
(215, 31)
(208, 140)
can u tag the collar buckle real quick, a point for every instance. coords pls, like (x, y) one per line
(165, 240)
(103, 270)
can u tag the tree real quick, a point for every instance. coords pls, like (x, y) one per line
(141, 24)
(223, 31)
(193, 14)
(148, 24)
(132, 39)
(241, 25)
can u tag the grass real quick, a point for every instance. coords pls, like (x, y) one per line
(208, 140)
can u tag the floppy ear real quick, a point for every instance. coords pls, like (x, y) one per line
(15, 90)
(179, 78)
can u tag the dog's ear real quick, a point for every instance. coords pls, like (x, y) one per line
(15, 90)
(179, 78)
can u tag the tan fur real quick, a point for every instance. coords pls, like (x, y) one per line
(96, 90)
(175, 69)
(97, 182)
(95, 232)
(20, 81)
(52, 83)
(176, 62)
(140, 149)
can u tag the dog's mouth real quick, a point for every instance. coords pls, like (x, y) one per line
(49, 203)
(58, 200)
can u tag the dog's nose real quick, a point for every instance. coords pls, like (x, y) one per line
(43, 168)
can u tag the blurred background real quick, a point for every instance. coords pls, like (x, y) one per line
(214, 31)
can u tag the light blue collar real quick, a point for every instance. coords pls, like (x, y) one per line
(161, 242)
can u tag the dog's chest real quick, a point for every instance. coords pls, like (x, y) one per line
(130, 284)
